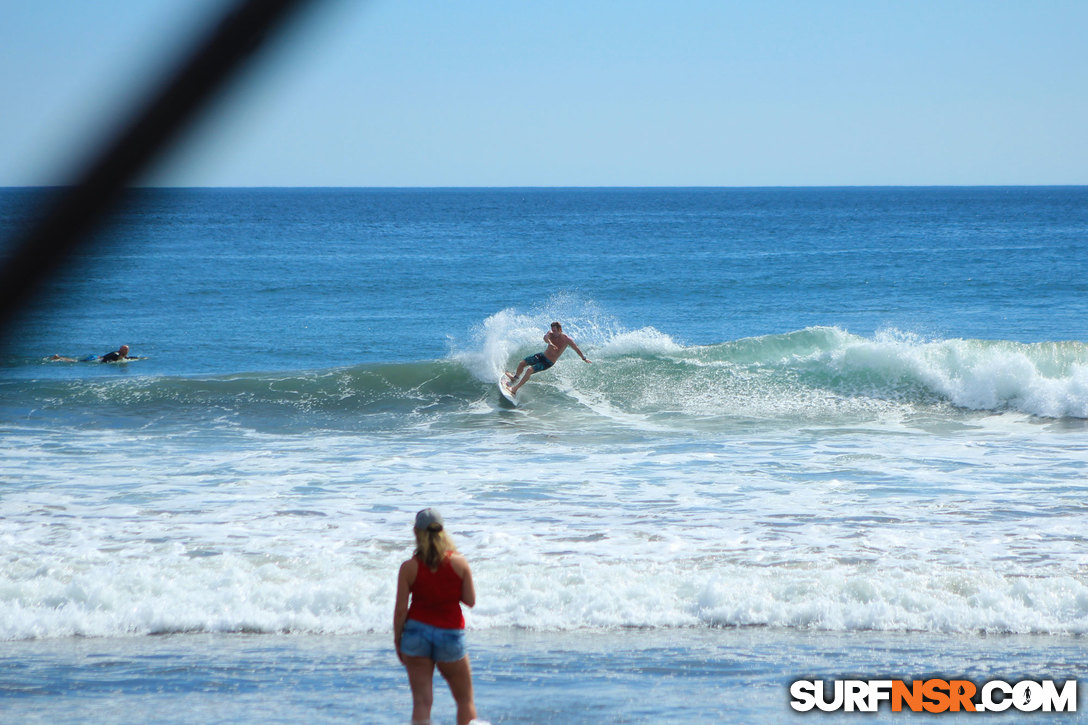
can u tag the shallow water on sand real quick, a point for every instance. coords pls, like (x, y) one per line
(631, 676)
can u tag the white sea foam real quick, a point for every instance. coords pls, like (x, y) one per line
(106, 593)
(1043, 379)
(496, 342)
(258, 532)
(506, 336)
(639, 342)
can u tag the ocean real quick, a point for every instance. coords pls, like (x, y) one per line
(826, 433)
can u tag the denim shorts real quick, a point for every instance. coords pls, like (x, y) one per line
(423, 640)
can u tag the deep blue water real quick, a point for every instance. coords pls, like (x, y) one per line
(266, 279)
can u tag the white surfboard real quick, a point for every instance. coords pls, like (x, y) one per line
(505, 392)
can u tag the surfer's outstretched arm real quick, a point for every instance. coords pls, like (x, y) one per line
(578, 350)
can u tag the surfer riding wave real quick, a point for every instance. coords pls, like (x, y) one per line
(558, 342)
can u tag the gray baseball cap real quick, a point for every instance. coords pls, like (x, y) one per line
(426, 518)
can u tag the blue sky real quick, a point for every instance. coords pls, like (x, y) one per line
(575, 93)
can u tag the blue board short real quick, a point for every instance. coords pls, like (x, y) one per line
(423, 640)
(539, 362)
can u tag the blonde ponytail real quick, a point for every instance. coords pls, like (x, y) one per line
(432, 544)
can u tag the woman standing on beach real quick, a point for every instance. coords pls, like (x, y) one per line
(430, 631)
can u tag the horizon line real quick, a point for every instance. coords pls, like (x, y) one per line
(287, 187)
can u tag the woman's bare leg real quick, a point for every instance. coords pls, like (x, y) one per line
(459, 677)
(421, 680)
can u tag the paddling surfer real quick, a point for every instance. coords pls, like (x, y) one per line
(119, 354)
(558, 342)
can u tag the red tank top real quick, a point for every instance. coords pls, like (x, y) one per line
(436, 596)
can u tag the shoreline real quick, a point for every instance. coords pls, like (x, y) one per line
(735, 675)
